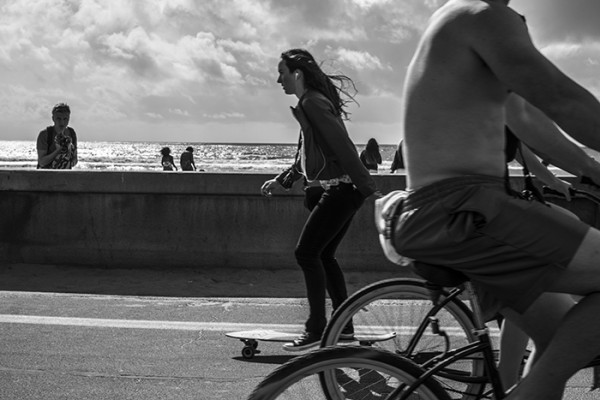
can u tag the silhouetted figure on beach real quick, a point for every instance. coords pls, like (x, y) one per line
(167, 161)
(398, 162)
(371, 156)
(187, 160)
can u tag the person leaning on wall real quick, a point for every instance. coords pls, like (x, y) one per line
(370, 156)
(57, 145)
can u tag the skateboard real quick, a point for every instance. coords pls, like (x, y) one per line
(251, 339)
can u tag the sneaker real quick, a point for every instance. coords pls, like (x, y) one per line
(306, 341)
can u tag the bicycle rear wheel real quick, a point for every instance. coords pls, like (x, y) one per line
(403, 306)
(359, 373)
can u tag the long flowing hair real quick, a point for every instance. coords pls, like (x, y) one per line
(372, 146)
(335, 87)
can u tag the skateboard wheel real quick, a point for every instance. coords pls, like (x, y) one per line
(248, 352)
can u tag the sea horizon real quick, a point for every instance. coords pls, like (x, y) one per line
(209, 156)
(145, 155)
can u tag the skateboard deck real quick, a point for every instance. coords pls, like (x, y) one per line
(251, 339)
(368, 340)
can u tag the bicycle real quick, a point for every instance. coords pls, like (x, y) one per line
(364, 372)
(342, 369)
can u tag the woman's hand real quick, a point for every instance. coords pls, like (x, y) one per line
(267, 188)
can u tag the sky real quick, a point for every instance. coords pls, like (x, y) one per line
(206, 70)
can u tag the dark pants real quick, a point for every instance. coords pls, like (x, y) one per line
(331, 213)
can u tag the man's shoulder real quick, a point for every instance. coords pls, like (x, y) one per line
(43, 135)
(473, 14)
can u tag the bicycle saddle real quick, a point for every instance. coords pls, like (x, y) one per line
(439, 275)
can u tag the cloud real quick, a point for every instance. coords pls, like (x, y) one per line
(552, 20)
(360, 60)
(152, 63)
(225, 115)
(580, 60)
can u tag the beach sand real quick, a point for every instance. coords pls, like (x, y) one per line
(179, 282)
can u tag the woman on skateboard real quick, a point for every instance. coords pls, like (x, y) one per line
(336, 182)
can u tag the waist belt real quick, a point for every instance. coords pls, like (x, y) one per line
(326, 184)
(439, 190)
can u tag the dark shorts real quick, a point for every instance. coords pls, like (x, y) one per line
(510, 248)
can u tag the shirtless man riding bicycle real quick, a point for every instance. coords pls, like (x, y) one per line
(521, 255)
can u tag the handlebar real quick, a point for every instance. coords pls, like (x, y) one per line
(573, 192)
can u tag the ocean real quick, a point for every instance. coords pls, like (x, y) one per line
(145, 156)
(211, 157)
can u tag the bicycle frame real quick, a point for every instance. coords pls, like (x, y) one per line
(483, 345)
(431, 320)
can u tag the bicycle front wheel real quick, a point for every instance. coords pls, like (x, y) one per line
(402, 307)
(358, 373)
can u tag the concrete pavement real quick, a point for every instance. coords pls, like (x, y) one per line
(116, 346)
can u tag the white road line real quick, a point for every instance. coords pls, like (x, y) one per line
(143, 324)
(183, 325)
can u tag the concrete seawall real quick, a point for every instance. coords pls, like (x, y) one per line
(158, 220)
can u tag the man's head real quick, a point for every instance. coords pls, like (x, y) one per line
(61, 113)
(190, 149)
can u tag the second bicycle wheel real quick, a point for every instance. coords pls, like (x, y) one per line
(359, 373)
(402, 307)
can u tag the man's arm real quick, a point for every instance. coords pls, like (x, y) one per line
(506, 47)
(535, 129)
(75, 160)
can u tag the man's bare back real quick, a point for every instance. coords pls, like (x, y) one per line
(457, 85)
(454, 118)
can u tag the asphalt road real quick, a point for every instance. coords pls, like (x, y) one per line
(71, 346)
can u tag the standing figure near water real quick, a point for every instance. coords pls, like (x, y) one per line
(398, 162)
(57, 145)
(167, 161)
(187, 160)
(370, 156)
(337, 183)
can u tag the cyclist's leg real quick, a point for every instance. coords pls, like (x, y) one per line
(577, 339)
(539, 322)
(513, 340)
(513, 344)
